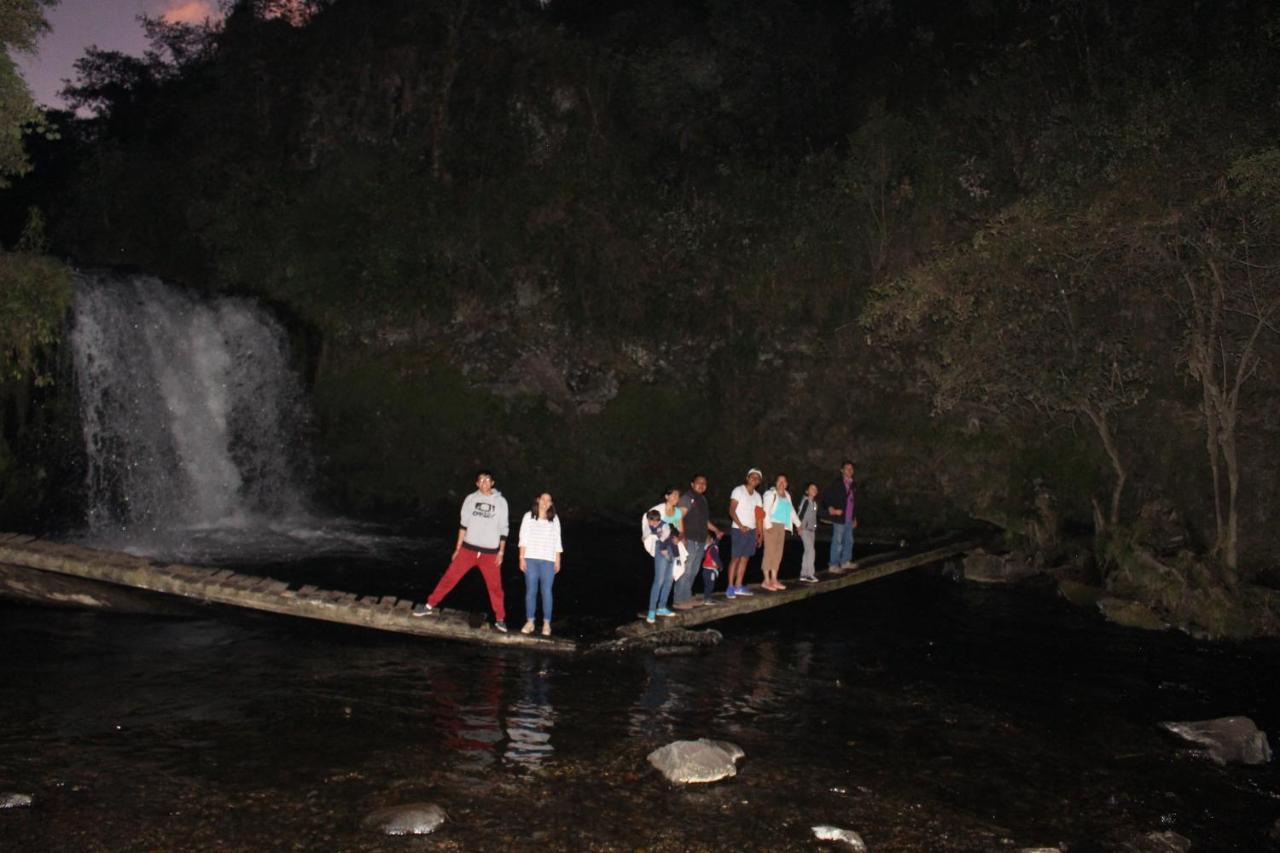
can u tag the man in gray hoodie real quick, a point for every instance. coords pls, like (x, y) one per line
(482, 541)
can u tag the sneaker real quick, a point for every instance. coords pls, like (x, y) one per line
(742, 590)
(731, 592)
(500, 626)
(707, 602)
(424, 609)
(649, 618)
(546, 629)
(528, 627)
(662, 611)
(807, 580)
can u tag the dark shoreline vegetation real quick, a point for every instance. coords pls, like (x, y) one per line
(1020, 260)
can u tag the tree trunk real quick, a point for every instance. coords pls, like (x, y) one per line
(1098, 417)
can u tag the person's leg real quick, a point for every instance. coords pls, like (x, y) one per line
(683, 594)
(492, 574)
(658, 568)
(768, 563)
(530, 592)
(547, 580)
(838, 532)
(708, 584)
(664, 594)
(777, 546)
(806, 564)
(463, 563)
(846, 556)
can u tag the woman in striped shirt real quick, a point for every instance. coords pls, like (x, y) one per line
(540, 551)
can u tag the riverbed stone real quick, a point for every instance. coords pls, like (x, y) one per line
(14, 800)
(1229, 740)
(408, 819)
(984, 567)
(847, 837)
(1131, 614)
(696, 761)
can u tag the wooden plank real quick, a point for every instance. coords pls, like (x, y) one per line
(870, 569)
(404, 607)
(308, 589)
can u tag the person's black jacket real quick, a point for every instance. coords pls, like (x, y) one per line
(834, 496)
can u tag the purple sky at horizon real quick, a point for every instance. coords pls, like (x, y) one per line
(109, 24)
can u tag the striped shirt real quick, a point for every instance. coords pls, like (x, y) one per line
(540, 539)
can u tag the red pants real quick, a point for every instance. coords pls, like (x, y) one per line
(467, 560)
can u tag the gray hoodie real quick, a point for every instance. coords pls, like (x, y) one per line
(484, 517)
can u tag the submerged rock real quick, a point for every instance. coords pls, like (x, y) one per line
(984, 567)
(694, 761)
(13, 800)
(409, 819)
(1131, 614)
(823, 832)
(1230, 740)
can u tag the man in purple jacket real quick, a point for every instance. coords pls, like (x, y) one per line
(840, 499)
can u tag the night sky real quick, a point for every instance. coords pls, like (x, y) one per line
(109, 24)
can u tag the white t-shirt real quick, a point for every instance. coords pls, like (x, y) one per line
(747, 503)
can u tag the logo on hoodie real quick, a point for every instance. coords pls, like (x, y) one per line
(484, 509)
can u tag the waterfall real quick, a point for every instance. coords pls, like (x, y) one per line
(190, 410)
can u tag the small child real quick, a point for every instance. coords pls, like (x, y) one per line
(668, 541)
(710, 568)
(808, 512)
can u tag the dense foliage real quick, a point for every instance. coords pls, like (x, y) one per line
(991, 247)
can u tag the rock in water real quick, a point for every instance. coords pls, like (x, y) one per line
(1229, 739)
(701, 760)
(844, 836)
(409, 819)
(11, 800)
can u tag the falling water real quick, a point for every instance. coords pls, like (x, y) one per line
(190, 410)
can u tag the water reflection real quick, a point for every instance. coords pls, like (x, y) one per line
(531, 717)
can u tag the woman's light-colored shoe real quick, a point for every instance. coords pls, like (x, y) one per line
(546, 629)
(528, 627)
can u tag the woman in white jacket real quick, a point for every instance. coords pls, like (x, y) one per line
(779, 517)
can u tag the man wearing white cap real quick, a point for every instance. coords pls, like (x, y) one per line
(745, 534)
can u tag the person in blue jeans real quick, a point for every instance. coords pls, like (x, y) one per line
(840, 499)
(697, 523)
(663, 527)
(540, 551)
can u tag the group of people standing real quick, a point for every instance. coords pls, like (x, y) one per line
(678, 533)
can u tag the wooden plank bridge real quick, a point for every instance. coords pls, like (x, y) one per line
(42, 570)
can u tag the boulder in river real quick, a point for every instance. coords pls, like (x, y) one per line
(1229, 740)
(692, 761)
(409, 819)
(1131, 614)
(848, 837)
(14, 800)
(984, 567)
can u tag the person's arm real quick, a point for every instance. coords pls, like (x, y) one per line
(680, 522)
(711, 528)
(457, 546)
(559, 547)
(524, 525)
(733, 513)
(504, 527)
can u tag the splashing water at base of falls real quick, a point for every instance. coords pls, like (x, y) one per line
(190, 410)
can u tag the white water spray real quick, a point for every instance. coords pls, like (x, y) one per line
(190, 410)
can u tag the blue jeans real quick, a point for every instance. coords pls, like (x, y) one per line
(662, 565)
(841, 544)
(538, 573)
(684, 584)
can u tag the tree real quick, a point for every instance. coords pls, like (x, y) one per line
(21, 24)
(1221, 269)
(1030, 319)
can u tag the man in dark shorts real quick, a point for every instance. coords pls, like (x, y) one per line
(745, 534)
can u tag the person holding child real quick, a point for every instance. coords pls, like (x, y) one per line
(779, 518)
(540, 551)
(661, 531)
(697, 524)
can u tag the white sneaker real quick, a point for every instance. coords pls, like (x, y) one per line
(424, 609)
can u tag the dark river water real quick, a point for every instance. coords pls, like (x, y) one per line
(926, 715)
